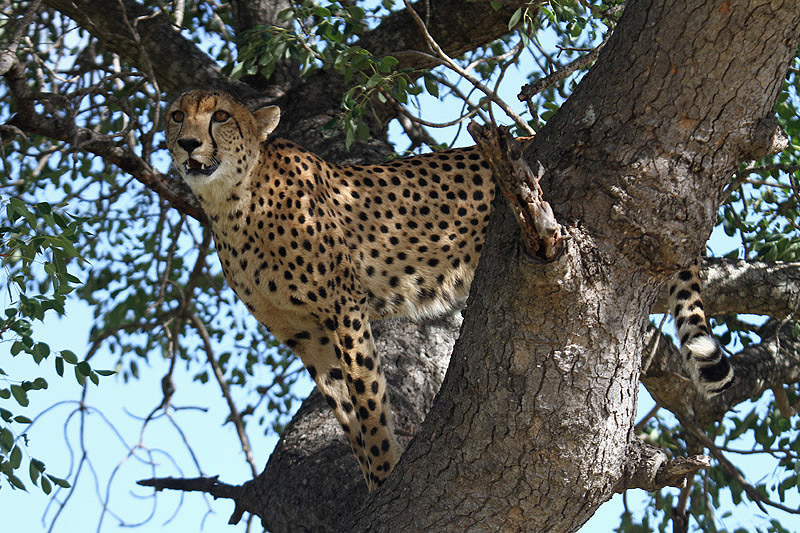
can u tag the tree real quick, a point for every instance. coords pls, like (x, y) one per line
(533, 427)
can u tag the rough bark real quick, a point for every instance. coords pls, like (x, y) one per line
(247, 14)
(733, 286)
(754, 287)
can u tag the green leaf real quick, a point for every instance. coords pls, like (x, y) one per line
(515, 18)
(6, 440)
(286, 15)
(15, 458)
(362, 130)
(387, 63)
(355, 12)
(17, 347)
(237, 71)
(15, 481)
(20, 395)
(69, 357)
(79, 377)
(63, 483)
(35, 469)
(46, 487)
(373, 81)
(40, 351)
(431, 85)
(84, 368)
(549, 14)
(349, 134)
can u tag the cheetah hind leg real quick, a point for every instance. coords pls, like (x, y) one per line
(703, 356)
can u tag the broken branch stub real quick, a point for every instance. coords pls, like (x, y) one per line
(541, 232)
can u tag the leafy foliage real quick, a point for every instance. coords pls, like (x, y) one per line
(323, 37)
(37, 245)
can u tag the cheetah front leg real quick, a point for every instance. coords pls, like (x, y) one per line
(339, 354)
(316, 348)
(354, 350)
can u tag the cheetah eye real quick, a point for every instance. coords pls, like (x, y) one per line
(221, 116)
(178, 116)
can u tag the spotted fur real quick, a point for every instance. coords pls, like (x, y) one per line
(316, 250)
(702, 354)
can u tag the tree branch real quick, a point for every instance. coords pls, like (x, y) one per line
(736, 286)
(456, 26)
(177, 63)
(209, 485)
(541, 233)
(650, 468)
(234, 415)
(733, 286)
(754, 494)
(759, 367)
(532, 89)
(313, 446)
(61, 128)
(752, 287)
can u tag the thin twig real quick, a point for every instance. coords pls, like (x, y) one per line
(650, 414)
(452, 65)
(759, 499)
(529, 91)
(226, 393)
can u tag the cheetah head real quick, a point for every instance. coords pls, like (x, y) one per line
(214, 138)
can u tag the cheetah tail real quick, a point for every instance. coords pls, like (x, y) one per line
(702, 354)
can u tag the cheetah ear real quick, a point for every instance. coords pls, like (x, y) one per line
(267, 119)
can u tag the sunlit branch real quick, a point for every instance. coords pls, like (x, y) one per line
(512, 52)
(402, 110)
(414, 131)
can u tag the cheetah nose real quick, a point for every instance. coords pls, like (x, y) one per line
(189, 144)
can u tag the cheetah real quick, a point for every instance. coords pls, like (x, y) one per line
(317, 250)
